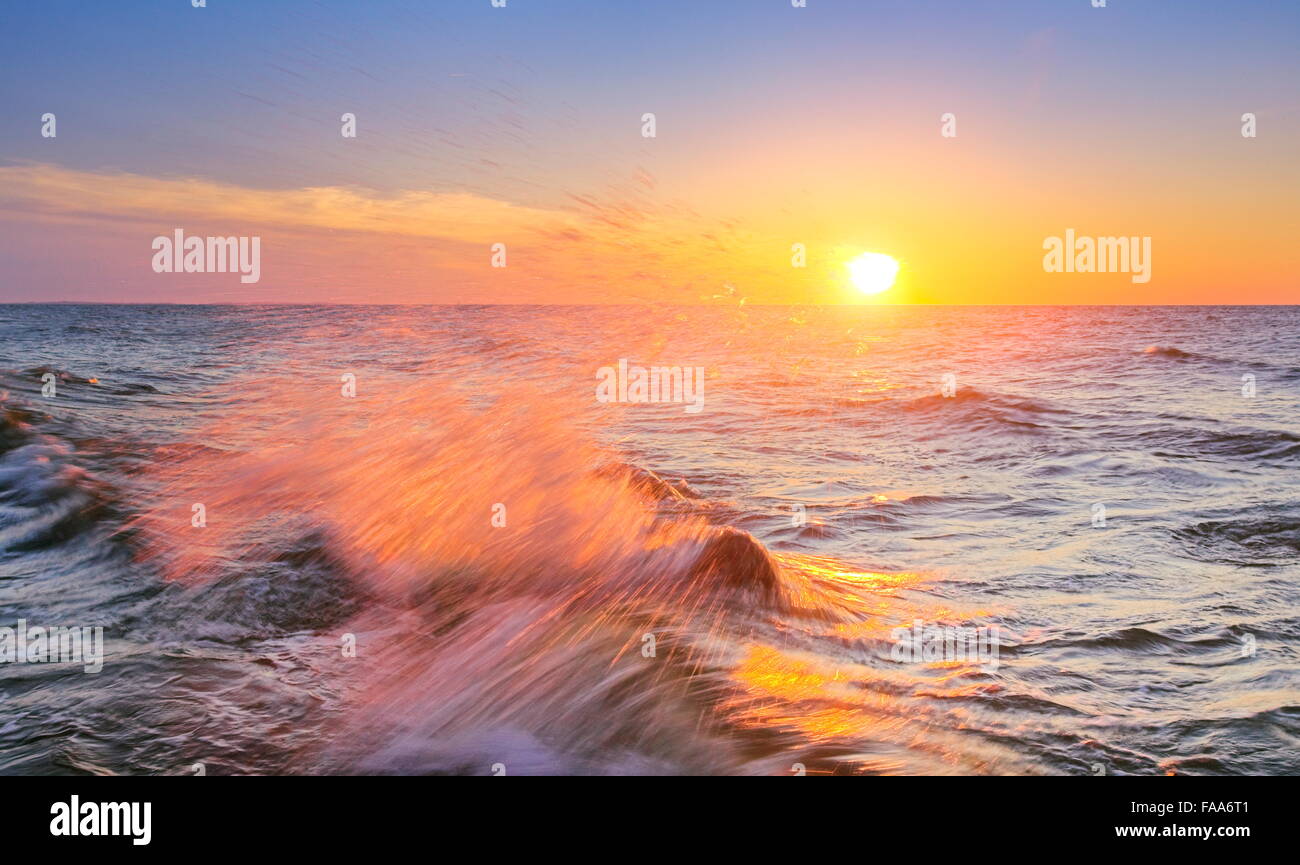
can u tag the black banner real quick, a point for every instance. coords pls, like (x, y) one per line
(296, 815)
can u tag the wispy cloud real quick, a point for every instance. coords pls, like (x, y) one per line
(621, 244)
(50, 190)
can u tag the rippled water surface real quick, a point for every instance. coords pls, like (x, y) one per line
(671, 591)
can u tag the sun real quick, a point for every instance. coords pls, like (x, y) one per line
(873, 272)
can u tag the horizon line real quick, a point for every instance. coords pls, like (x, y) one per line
(626, 303)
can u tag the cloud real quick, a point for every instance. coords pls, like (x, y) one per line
(61, 194)
(623, 244)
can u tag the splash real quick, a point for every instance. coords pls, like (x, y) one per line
(531, 600)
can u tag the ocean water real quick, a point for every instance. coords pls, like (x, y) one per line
(474, 566)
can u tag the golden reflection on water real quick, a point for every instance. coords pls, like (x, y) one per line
(851, 695)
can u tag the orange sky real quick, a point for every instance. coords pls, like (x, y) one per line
(960, 239)
(524, 128)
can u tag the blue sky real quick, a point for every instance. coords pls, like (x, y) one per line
(240, 90)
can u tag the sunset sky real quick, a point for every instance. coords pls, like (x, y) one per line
(775, 126)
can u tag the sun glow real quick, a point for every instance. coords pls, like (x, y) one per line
(873, 272)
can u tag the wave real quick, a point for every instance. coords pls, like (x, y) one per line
(31, 380)
(1253, 443)
(1286, 372)
(970, 411)
(1258, 541)
(1170, 351)
(15, 424)
(649, 483)
(520, 596)
(1138, 639)
(967, 395)
(63, 375)
(44, 498)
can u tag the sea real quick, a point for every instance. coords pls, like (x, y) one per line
(437, 540)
